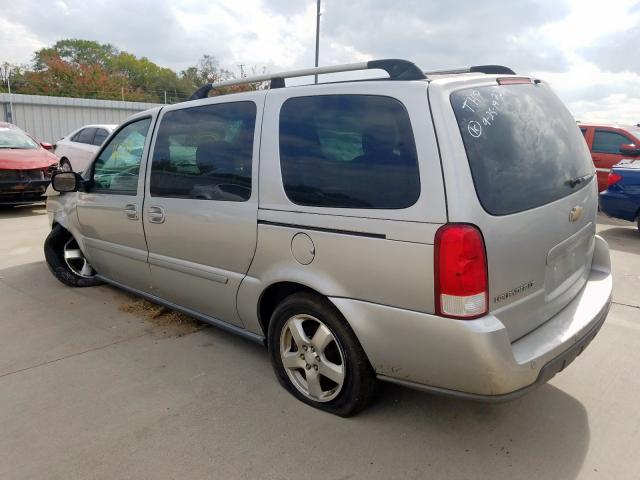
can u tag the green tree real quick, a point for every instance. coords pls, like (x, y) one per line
(86, 68)
(76, 51)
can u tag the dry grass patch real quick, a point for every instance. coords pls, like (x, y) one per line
(174, 323)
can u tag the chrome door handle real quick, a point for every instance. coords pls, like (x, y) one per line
(131, 211)
(156, 214)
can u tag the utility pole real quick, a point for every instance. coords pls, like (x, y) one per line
(12, 117)
(241, 70)
(317, 38)
(122, 93)
(165, 97)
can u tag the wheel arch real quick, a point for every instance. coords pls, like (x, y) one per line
(275, 293)
(60, 218)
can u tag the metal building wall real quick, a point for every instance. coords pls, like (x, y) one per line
(50, 118)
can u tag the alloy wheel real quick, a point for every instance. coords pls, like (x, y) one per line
(74, 258)
(312, 357)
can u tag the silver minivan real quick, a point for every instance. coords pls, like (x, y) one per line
(436, 230)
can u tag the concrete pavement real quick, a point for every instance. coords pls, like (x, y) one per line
(88, 391)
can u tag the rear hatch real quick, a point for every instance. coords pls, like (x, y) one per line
(535, 197)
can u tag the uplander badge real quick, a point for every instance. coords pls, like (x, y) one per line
(513, 292)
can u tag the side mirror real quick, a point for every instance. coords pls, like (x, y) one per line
(47, 146)
(630, 149)
(64, 182)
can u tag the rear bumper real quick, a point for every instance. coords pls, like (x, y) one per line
(475, 359)
(547, 372)
(619, 205)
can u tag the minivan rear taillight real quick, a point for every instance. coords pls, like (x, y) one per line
(613, 178)
(461, 283)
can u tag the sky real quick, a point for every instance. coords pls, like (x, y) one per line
(588, 50)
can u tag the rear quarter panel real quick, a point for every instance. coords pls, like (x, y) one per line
(517, 244)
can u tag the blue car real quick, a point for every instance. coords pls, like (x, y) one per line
(621, 199)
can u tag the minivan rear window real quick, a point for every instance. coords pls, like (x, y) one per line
(523, 145)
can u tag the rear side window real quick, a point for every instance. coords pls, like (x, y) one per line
(608, 142)
(101, 136)
(523, 146)
(85, 135)
(205, 153)
(348, 151)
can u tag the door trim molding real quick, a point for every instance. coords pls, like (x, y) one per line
(128, 252)
(296, 226)
(190, 268)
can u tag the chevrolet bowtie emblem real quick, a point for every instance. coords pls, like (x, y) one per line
(575, 214)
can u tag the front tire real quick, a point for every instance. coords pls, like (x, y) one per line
(66, 261)
(317, 357)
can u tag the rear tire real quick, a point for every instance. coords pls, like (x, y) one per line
(326, 366)
(66, 261)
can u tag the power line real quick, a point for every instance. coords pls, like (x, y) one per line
(317, 38)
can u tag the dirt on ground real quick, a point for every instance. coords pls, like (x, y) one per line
(171, 322)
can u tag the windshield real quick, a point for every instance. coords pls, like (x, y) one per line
(524, 147)
(12, 138)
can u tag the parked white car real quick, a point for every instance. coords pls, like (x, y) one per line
(77, 149)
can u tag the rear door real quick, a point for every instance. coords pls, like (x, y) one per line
(200, 215)
(110, 212)
(100, 136)
(519, 169)
(606, 152)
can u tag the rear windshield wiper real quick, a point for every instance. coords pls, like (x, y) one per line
(572, 182)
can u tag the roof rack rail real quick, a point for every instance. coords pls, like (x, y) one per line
(488, 69)
(396, 68)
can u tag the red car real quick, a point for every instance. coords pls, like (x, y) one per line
(609, 144)
(26, 166)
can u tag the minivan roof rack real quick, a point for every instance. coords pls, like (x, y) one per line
(488, 69)
(396, 68)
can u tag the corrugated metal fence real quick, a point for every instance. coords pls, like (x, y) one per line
(50, 118)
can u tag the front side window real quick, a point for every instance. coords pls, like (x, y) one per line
(117, 168)
(205, 153)
(348, 151)
(608, 142)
